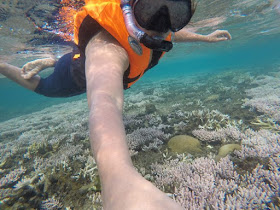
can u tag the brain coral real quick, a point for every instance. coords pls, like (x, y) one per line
(184, 144)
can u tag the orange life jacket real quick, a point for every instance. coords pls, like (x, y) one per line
(108, 14)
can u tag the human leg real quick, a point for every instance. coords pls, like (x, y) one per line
(14, 73)
(59, 84)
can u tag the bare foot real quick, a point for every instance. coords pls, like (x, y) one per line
(32, 68)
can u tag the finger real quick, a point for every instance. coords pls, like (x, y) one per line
(226, 34)
(223, 39)
(229, 36)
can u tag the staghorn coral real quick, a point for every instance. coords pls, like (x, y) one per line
(203, 119)
(221, 135)
(5, 193)
(49, 142)
(265, 97)
(264, 122)
(61, 158)
(145, 139)
(12, 177)
(263, 143)
(203, 183)
(89, 170)
(50, 204)
(27, 182)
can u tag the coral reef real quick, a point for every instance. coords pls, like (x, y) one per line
(265, 97)
(202, 183)
(46, 162)
(227, 149)
(145, 139)
(223, 135)
(184, 144)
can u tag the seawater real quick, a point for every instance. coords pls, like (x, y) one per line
(225, 94)
(260, 52)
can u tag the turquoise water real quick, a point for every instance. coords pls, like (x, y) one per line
(260, 53)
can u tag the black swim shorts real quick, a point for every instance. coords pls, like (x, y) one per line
(68, 78)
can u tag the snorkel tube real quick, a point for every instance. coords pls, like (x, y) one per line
(137, 35)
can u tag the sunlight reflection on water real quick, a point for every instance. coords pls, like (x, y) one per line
(244, 19)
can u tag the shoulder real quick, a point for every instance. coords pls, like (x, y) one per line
(105, 45)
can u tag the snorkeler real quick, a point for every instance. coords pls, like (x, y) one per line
(68, 78)
(118, 41)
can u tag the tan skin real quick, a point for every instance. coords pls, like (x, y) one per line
(122, 186)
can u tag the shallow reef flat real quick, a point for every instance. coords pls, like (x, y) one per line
(230, 120)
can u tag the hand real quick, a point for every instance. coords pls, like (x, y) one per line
(32, 68)
(218, 35)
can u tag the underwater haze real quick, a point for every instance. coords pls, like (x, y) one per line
(203, 125)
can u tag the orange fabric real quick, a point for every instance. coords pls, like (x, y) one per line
(76, 56)
(108, 14)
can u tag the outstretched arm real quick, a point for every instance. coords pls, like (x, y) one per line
(186, 36)
(123, 188)
(34, 67)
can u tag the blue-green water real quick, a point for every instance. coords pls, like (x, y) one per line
(258, 53)
(254, 26)
(261, 52)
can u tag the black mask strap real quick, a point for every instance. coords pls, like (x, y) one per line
(156, 44)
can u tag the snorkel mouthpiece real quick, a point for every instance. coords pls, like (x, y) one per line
(156, 44)
(139, 35)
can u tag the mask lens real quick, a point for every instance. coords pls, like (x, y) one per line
(144, 10)
(179, 12)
